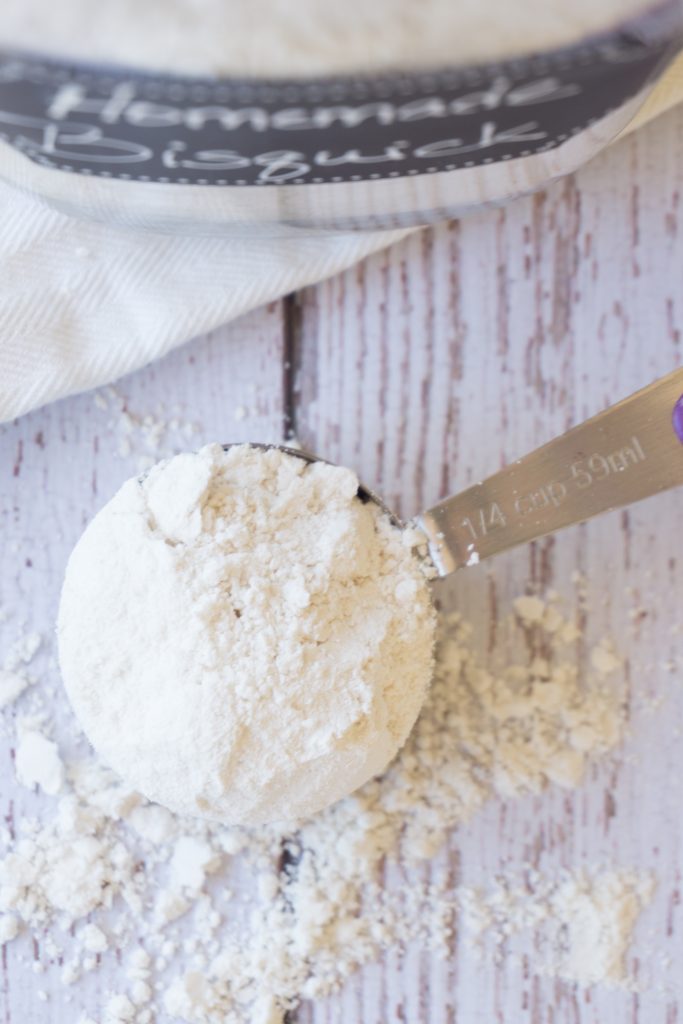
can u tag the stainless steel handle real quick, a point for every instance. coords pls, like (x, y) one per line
(632, 450)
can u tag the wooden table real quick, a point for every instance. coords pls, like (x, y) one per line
(425, 368)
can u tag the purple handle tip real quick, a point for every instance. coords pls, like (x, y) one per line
(678, 419)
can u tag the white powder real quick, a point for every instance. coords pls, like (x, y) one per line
(119, 1010)
(14, 678)
(310, 37)
(604, 659)
(12, 685)
(153, 823)
(151, 435)
(583, 920)
(93, 939)
(529, 608)
(38, 762)
(9, 928)
(22, 651)
(193, 859)
(170, 905)
(140, 993)
(486, 731)
(243, 638)
(596, 917)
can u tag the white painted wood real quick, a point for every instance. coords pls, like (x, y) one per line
(58, 465)
(428, 368)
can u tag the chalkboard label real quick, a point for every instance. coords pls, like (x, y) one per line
(115, 123)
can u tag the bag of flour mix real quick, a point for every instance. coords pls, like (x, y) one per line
(206, 115)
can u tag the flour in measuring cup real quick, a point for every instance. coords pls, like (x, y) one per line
(244, 639)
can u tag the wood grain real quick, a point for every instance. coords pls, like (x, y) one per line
(59, 465)
(426, 368)
(431, 366)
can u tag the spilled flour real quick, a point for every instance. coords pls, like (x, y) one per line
(217, 925)
(582, 921)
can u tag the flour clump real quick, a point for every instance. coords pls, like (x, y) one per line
(243, 638)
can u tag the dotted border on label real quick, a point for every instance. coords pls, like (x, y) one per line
(368, 176)
(617, 49)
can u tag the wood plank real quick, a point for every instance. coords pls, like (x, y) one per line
(59, 465)
(429, 367)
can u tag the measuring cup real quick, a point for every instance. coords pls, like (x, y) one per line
(630, 451)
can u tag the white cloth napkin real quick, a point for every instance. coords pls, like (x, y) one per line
(82, 303)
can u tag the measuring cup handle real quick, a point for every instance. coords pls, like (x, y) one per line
(631, 451)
